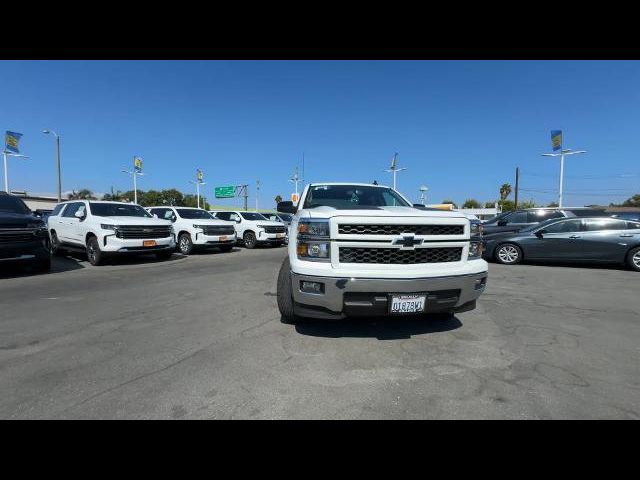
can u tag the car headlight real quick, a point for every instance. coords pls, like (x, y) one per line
(106, 226)
(313, 228)
(198, 226)
(475, 250)
(319, 251)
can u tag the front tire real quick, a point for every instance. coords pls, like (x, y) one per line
(249, 240)
(633, 259)
(185, 245)
(508, 254)
(285, 295)
(94, 254)
(55, 245)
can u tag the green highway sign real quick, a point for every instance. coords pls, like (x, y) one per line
(225, 192)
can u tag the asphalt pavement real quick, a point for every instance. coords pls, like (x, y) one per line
(199, 337)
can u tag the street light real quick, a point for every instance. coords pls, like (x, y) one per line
(562, 154)
(6, 154)
(394, 169)
(423, 192)
(134, 174)
(46, 132)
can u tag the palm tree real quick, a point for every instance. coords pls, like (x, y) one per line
(278, 199)
(505, 191)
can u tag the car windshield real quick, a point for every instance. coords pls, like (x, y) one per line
(252, 216)
(193, 214)
(352, 197)
(9, 203)
(496, 218)
(118, 210)
(285, 216)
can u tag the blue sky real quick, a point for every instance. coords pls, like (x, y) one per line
(460, 127)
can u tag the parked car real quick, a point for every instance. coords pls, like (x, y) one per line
(102, 229)
(281, 217)
(597, 239)
(23, 236)
(635, 216)
(362, 249)
(253, 228)
(196, 228)
(518, 219)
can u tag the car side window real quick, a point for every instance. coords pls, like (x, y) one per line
(56, 211)
(518, 217)
(604, 224)
(71, 209)
(542, 215)
(633, 226)
(222, 215)
(564, 227)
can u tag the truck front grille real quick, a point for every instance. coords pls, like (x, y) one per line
(398, 229)
(139, 232)
(219, 230)
(20, 236)
(398, 256)
(274, 229)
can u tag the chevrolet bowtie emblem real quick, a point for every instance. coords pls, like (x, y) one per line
(407, 241)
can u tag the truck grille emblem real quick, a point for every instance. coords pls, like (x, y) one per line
(407, 241)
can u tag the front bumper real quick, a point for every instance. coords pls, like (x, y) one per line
(271, 237)
(113, 244)
(24, 251)
(344, 297)
(200, 239)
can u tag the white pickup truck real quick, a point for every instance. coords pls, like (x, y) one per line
(361, 249)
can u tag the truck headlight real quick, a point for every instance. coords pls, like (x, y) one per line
(476, 229)
(319, 251)
(475, 250)
(312, 227)
(201, 227)
(107, 226)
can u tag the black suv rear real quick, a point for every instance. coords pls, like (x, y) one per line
(23, 237)
(518, 219)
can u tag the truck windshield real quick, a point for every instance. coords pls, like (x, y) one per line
(252, 216)
(117, 210)
(193, 214)
(9, 203)
(352, 196)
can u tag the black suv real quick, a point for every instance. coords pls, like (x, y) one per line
(23, 236)
(518, 219)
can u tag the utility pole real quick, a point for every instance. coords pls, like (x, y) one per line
(57, 161)
(517, 178)
(562, 154)
(423, 193)
(137, 170)
(198, 182)
(257, 193)
(295, 180)
(243, 191)
(394, 168)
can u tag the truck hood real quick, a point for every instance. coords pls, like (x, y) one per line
(398, 212)
(17, 220)
(205, 221)
(152, 222)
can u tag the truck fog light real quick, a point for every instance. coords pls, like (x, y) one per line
(481, 283)
(312, 287)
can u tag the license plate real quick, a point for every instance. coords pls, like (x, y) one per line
(149, 243)
(279, 235)
(411, 303)
(223, 238)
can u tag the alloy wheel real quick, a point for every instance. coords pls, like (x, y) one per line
(508, 254)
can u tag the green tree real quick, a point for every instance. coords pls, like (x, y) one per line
(278, 199)
(471, 203)
(489, 204)
(82, 194)
(507, 205)
(505, 191)
(633, 201)
(527, 204)
(553, 204)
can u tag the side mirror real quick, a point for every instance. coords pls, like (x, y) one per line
(174, 218)
(238, 220)
(155, 215)
(540, 233)
(286, 207)
(80, 214)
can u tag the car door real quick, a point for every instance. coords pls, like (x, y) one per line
(67, 221)
(605, 239)
(78, 226)
(557, 241)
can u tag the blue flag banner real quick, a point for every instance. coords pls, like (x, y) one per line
(556, 139)
(137, 164)
(11, 141)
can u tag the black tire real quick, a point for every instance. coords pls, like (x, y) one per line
(226, 248)
(249, 240)
(185, 245)
(94, 254)
(55, 245)
(633, 259)
(164, 255)
(508, 254)
(285, 295)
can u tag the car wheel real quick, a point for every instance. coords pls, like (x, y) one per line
(164, 255)
(285, 295)
(94, 254)
(508, 254)
(249, 240)
(55, 245)
(633, 259)
(185, 245)
(226, 248)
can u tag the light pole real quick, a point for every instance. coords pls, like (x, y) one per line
(57, 161)
(134, 174)
(197, 184)
(423, 193)
(295, 180)
(394, 169)
(6, 154)
(257, 193)
(562, 154)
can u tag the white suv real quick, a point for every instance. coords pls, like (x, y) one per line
(109, 228)
(195, 227)
(253, 228)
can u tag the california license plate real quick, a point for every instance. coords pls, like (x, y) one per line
(409, 303)
(149, 243)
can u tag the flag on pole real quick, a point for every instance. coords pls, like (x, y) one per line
(556, 139)
(200, 175)
(137, 164)
(11, 141)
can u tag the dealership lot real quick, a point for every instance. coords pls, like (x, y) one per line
(200, 337)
